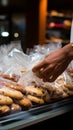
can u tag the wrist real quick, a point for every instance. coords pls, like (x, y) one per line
(68, 50)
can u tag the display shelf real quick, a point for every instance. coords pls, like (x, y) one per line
(58, 27)
(59, 17)
(35, 115)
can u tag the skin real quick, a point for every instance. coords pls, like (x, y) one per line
(55, 63)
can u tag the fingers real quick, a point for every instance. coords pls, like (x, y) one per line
(49, 75)
(38, 67)
(44, 71)
(51, 78)
(47, 70)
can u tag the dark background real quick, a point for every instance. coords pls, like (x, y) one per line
(60, 4)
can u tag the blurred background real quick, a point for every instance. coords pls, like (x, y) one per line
(30, 23)
(35, 21)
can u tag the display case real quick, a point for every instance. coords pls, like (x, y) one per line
(35, 102)
(58, 27)
(30, 117)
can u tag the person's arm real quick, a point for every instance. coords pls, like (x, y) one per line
(55, 63)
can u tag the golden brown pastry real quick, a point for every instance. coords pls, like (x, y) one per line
(70, 72)
(67, 23)
(50, 89)
(54, 13)
(11, 93)
(37, 91)
(4, 109)
(65, 89)
(47, 97)
(60, 80)
(69, 86)
(24, 102)
(16, 87)
(34, 99)
(15, 107)
(12, 77)
(58, 91)
(5, 100)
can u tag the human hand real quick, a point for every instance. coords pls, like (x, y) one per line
(52, 66)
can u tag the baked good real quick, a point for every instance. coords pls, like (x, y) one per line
(5, 100)
(37, 91)
(4, 109)
(12, 77)
(16, 87)
(34, 99)
(11, 92)
(69, 86)
(12, 85)
(60, 80)
(47, 97)
(24, 102)
(15, 107)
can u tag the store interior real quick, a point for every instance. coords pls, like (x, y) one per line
(15, 17)
(36, 25)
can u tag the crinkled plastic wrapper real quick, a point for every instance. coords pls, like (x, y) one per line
(22, 88)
